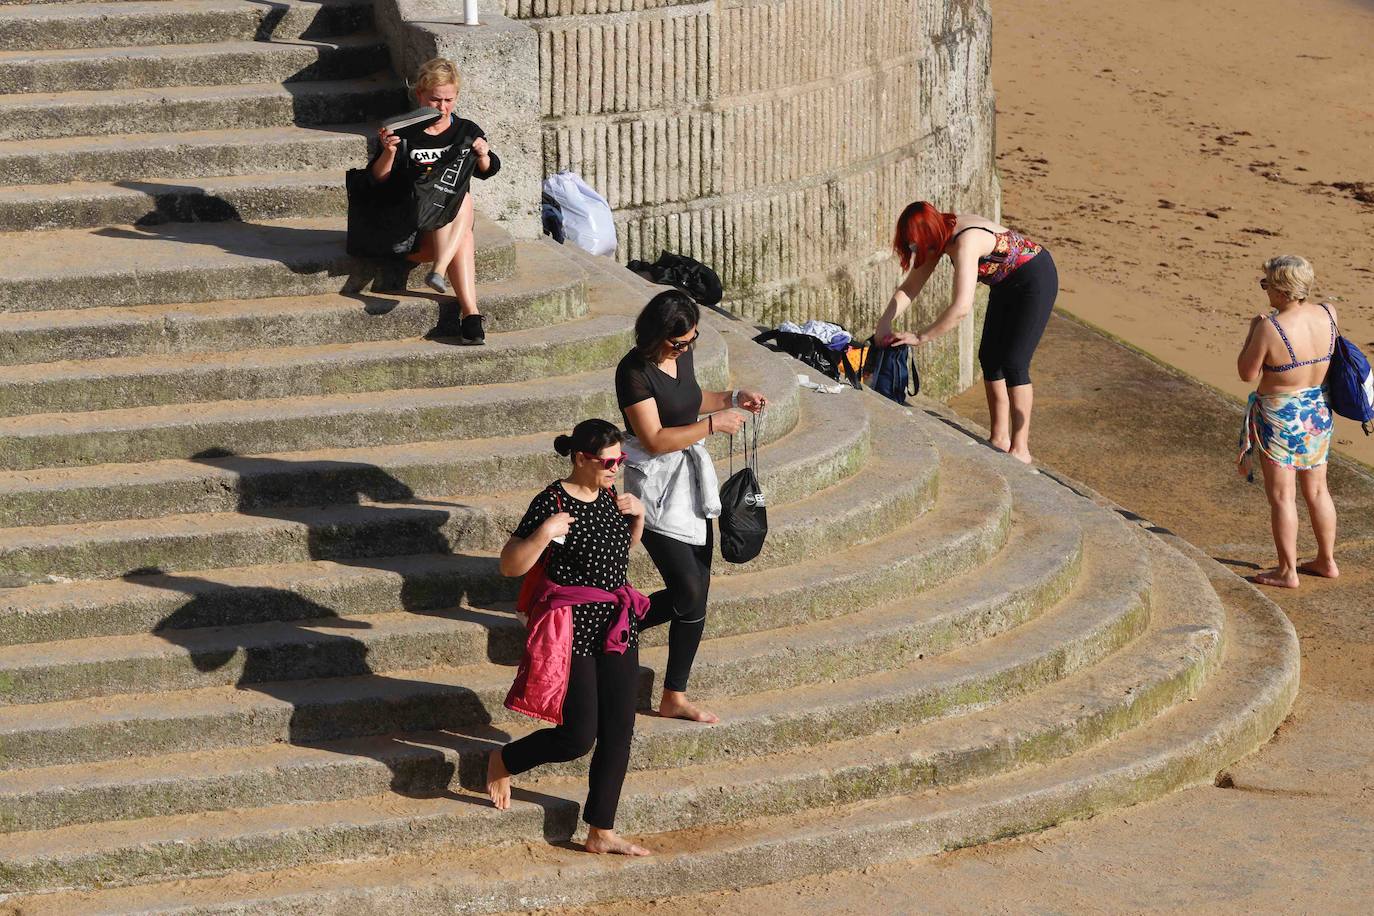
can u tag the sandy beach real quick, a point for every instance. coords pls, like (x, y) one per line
(1166, 149)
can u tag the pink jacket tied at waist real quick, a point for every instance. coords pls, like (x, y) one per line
(541, 682)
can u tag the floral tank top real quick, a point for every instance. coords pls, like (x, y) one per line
(1010, 250)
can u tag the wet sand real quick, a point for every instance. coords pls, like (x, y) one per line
(1166, 149)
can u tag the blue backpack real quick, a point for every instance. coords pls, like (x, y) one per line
(1350, 384)
(891, 371)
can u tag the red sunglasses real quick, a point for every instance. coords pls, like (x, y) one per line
(609, 464)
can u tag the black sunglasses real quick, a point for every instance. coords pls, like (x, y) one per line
(682, 345)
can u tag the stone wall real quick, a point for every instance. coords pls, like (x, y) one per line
(776, 140)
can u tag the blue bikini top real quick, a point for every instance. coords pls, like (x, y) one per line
(1297, 363)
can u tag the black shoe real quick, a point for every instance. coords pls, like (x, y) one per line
(472, 333)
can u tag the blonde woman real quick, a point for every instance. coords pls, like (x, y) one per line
(451, 246)
(1288, 421)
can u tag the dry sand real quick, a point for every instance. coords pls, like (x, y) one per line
(1165, 149)
(1241, 115)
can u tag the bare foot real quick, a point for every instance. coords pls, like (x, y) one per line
(1275, 578)
(1002, 445)
(675, 705)
(498, 781)
(1327, 569)
(1024, 457)
(608, 841)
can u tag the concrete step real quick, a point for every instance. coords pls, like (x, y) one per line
(176, 22)
(323, 369)
(857, 509)
(543, 289)
(133, 158)
(338, 421)
(210, 64)
(964, 528)
(1239, 707)
(154, 201)
(1035, 570)
(198, 262)
(814, 455)
(179, 655)
(1071, 714)
(98, 112)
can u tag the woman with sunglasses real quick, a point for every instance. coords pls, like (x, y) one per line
(1024, 285)
(668, 416)
(587, 531)
(1288, 421)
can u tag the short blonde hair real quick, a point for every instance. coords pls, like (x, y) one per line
(437, 72)
(1290, 274)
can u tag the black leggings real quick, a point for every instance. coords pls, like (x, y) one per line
(686, 572)
(1018, 310)
(599, 709)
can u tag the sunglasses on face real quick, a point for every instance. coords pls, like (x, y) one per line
(682, 345)
(608, 464)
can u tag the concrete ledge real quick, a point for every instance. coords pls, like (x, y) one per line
(499, 64)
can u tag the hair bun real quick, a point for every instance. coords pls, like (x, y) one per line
(563, 445)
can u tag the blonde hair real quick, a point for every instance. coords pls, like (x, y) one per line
(437, 72)
(1290, 274)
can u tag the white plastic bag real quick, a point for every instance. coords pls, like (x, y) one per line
(587, 221)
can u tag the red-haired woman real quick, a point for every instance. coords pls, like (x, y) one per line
(1024, 285)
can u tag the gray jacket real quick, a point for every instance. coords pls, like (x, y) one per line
(680, 490)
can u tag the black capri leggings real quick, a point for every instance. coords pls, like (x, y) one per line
(686, 571)
(598, 709)
(1018, 310)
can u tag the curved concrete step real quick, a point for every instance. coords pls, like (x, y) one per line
(1075, 634)
(1163, 669)
(307, 371)
(961, 530)
(543, 289)
(210, 64)
(131, 159)
(854, 510)
(339, 421)
(101, 25)
(153, 201)
(96, 112)
(817, 453)
(1034, 571)
(197, 262)
(1241, 705)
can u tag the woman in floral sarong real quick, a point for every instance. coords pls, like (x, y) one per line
(1288, 421)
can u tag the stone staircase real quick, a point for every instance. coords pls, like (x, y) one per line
(255, 643)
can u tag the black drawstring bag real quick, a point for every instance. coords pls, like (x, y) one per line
(743, 514)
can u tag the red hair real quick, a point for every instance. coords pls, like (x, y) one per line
(923, 231)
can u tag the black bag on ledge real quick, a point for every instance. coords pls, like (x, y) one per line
(743, 513)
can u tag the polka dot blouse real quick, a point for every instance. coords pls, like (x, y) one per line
(595, 553)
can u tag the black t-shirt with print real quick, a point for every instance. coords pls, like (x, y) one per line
(678, 399)
(595, 553)
(421, 150)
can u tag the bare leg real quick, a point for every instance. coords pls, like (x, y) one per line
(675, 705)
(999, 414)
(1280, 487)
(608, 841)
(1022, 397)
(1322, 511)
(462, 267)
(498, 781)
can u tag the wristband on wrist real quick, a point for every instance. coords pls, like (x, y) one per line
(710, 425)
(734, 398)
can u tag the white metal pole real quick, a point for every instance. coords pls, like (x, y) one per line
(470, 12)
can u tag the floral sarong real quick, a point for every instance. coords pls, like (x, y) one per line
(1292, 429)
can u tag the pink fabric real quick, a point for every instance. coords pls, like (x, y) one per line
(541, 682)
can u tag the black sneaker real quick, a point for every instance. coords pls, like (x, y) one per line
(472, 333)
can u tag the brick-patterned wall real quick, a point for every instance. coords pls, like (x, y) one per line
(776, 140)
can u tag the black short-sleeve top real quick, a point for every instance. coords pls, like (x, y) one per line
(678, 399)
(595, 553)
